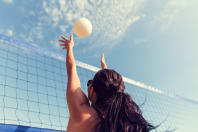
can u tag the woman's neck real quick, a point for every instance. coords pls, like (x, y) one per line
(99, 110)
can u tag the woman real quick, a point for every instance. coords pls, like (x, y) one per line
(111, 109)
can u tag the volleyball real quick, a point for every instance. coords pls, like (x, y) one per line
(82, 27)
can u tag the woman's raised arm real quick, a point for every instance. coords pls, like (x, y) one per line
(74, 94)
(103, 63)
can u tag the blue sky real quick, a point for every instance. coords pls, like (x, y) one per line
(152, 42)
(149, 41)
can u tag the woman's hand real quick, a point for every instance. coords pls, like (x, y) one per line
(103, 63)
(68, 44)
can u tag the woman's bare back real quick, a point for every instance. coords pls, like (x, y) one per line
(87, 125)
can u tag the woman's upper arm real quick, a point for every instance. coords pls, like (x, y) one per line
(78, 103)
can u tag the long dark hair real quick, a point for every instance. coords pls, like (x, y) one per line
(115, 108)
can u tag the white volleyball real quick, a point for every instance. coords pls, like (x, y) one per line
(82, 27)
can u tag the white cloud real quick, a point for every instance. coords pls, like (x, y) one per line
(52, 10)
(170, 13)
(35, 33)
(8, 1)
(10, 32)
(110, 19)
(139, 41)
(63, 28)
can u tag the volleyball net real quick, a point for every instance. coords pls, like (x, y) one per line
(33, 84)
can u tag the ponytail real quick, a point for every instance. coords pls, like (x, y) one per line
(110, 121)
(115, 108)
(123, 115)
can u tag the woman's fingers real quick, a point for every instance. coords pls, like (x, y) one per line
(71, 37)
(63, 37)
(61, 41)
(61, 44)
(63, 48)
(66, 43)
(102, 57)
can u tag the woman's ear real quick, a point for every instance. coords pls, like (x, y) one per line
(92, 95)
(90, 92)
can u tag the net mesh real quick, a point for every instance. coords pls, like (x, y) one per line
(32, 93)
